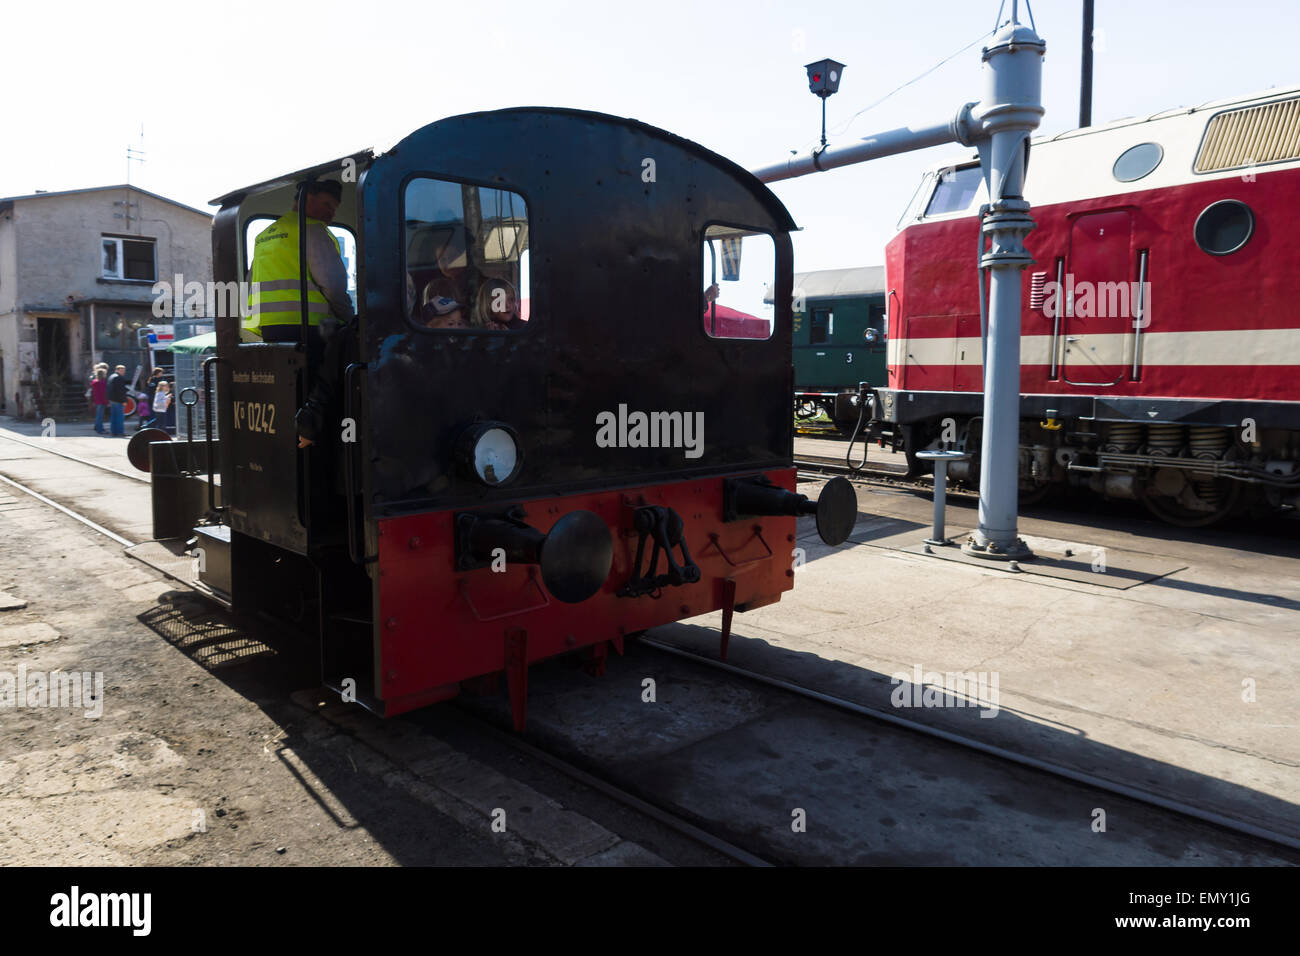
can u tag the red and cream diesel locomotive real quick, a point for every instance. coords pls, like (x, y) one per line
(1161, 319)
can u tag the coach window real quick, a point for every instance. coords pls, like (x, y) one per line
(955, 191)
(466, 257)
(822, 327)
(739, 269)
(877, 329)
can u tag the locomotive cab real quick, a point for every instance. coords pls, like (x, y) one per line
(535, 443)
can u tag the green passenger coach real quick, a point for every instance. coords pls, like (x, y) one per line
(839, 340)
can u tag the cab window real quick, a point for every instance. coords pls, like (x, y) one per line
(955, 190)
(739, 267)
(347, 244)
(467, 257)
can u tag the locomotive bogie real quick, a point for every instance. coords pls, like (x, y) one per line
(1184, 474)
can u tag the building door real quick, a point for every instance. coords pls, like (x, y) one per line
(1098, 313)
(52, 349)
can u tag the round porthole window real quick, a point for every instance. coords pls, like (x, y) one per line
(1138, 161)
(1224, 227)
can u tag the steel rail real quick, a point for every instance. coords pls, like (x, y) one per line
(664, 817)
(1011, 756)
(69, 512)
(84, 461)
(667, 818)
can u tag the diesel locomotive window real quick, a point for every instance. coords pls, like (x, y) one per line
(1224, 227)
(956, 189)
(1137, 162)
(739, 274)
(466, 257)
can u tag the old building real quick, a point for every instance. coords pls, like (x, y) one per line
(78, 271)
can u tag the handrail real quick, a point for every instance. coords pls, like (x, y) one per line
(189, 424)
(207, 427)
(302, 264)
(354, 549)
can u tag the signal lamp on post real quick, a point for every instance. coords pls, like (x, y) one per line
(824, 77)
(824, 81)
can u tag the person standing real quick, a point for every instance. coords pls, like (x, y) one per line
(151, 386)
(162, 406)
(117, 394)
(99, 396)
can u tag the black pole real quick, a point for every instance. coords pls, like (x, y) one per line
(302, 263)
(1085, 78)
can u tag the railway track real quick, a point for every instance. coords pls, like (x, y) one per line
(679, 825)
(820, 467)
(1047, 767)
(663, 815)
(45, 447)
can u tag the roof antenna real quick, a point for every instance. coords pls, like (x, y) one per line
(132, 156)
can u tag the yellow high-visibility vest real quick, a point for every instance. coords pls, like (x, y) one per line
(276, 297)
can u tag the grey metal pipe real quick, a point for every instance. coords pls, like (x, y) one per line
(1009, 111)
(888, 143)
(1000, 124)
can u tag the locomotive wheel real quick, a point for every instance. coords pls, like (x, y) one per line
(911, 444)
(806, 410)
(1171, 511)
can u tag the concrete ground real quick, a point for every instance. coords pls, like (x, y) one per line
(1183, 685)
(186, 743)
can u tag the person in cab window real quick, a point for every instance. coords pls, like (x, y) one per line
(452, 280)
(441, 312)
(275, 302)
(496, 306)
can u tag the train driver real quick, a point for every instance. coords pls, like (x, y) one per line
(275, 302)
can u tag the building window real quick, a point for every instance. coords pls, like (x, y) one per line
(119, 330)
(124, 258)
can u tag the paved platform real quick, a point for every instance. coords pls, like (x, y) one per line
(1182, 683)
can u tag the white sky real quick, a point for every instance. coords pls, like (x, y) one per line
(235, 92)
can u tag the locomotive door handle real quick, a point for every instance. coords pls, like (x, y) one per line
(1071, 338)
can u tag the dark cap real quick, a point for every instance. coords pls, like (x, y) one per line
(326, 186)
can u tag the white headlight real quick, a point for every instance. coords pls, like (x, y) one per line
(496, 457)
